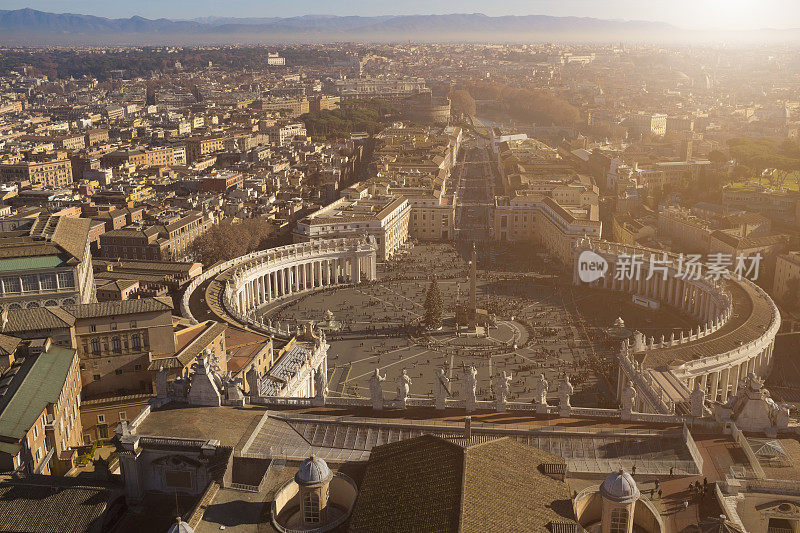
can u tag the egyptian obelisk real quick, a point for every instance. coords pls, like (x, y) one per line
(473, 299)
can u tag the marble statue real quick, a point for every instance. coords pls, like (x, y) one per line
(232, 389)
(628, 398)
(502, 389)
(403, 386)
(639, 342)
(698, 400)
(441, 389)
(320, 387)
(376, 389)
(565, 390)
(541, 390)
(753, 410)
(470, 383)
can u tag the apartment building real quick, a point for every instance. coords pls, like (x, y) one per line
(384, 217)
(282, 135)
(654, 123)
(54, 174)
(698, 230)
(40, 391)
(539, 218)
(293, 107)
(75, 141)
(140, 157)
(45, 261)
(220, 182)
(390, 88)
(433, 214)
(781, 206)
(198, 147)
(159, 242)
(95, 136)
(787, 277)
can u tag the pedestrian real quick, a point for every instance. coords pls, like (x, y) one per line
(659, 494)
(685, 504)
(633, 470)
(658, 485)
(670, 471)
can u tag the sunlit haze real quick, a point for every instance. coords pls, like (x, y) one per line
(688, 14)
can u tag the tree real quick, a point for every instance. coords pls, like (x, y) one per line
(433, 306)
(717, 157)
(462, 102)
(230, 239)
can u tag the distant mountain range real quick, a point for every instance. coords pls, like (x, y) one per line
(31, 27)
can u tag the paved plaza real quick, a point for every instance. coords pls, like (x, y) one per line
(540, 325)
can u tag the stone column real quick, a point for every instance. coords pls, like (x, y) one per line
(724, 374)
(733, 378)
(714, 391)
(356, 269)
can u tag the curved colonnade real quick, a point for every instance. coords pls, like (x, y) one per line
(736, 335)
(259, 278)
(287, 270)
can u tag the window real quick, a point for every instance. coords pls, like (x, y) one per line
(101, 419)
(311, 508)
(137, 367)
(47, 281)
(66, 279)
(96, 346)
(93, 328)
(133, 323)
(122, 415)
(96, 377)
(118, 372)
(116, 345)
(30, 283)
(11, 285)
(619, 520)
(113, 326)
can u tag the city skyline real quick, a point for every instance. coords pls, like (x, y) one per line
(725, 15)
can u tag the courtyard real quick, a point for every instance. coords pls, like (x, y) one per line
(539, 326)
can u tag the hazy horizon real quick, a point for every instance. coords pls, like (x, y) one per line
(725, 15)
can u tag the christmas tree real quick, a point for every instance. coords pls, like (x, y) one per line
(433, 306)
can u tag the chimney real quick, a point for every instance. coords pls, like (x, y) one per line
(467, 427)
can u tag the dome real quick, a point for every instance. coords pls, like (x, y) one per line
(312, 470)
(180, 527)
(620, 487)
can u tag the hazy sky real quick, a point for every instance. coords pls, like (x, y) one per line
(694, 14)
